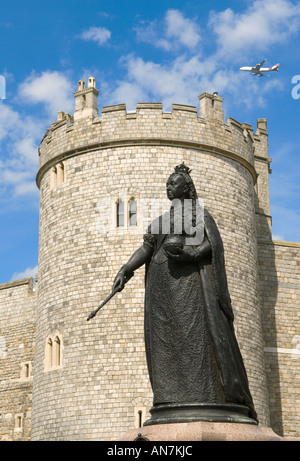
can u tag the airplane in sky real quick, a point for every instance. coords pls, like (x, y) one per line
(257, 70)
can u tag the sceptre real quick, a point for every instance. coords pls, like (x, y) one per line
(92, 314)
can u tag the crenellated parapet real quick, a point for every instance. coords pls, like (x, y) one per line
(84, 131)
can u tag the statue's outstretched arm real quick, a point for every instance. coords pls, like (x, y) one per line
(138, 259)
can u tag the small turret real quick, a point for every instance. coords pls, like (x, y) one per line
(86, 100)
(211, 106)
(262, 126)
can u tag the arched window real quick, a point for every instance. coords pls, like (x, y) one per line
(132, 212)
(53, 355)
(53, 177)
(60, 173)
(120, 213)
(57, 175)
(49, 353)
(56, 352)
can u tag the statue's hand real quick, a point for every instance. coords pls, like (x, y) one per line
(119, 281)
(182, 254)
(122, 277)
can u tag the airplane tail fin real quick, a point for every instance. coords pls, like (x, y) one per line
(275, 67)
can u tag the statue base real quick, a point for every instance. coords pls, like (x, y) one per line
(202, 431)
(191, 412)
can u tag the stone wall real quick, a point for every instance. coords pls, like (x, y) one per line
(279, 269)
(17, 341)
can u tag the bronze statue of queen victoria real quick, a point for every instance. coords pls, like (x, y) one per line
(195, 366)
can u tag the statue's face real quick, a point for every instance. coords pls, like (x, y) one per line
(176, 187)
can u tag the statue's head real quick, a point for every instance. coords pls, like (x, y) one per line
(180, 184)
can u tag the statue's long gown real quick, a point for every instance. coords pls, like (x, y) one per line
(192, 352)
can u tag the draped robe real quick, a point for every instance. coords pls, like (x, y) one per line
(191, 349)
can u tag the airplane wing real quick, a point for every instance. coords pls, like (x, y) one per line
(258, 66)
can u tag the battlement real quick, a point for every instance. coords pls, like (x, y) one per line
(85, 130)
(27, 284)
(86, 100)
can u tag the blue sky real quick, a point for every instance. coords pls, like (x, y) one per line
(141, 51)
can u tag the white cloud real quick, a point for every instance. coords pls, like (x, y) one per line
(278, 237)
(153, 82)
(26, 188)
(19, 139)
(100, 35)
(20, 134)
(175, 31)
(51, 88)
(8, 119)
(183, 80)
(182, 29)
(149, 34)
(27, 273)
(13, 177)
(264, 23)
(127, 92)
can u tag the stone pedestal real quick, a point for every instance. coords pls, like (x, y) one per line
(194, 412)
(202, 431)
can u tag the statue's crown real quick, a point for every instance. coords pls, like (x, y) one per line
(182, 168)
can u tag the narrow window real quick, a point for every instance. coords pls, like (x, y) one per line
(56, 352)
(60, 173)
(120, 213)
(132, 212)
(53, 358)
(57, 175)
(53, 177)
(140, 414)
(19, 422)
(49, 351)
(25, 370)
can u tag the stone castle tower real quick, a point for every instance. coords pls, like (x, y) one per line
(98, 178)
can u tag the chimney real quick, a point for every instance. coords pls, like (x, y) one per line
(211, 106)
(262, 125)
(86, 100)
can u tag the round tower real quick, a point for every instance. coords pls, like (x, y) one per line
(101, 179)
